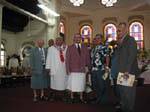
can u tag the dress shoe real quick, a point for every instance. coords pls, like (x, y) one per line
(119, 110)
(35, 99)
(63, 99)
(117, 105)
(44, 98)
(71, 100)
(82, 101)
(52, 99)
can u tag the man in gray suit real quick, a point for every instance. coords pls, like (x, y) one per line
(39, 76)
(127, 64)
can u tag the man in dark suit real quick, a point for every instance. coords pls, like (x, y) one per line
(127, 64)
(39, 76)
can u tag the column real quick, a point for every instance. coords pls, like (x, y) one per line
(1, 14)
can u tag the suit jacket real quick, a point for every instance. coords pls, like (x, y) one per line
(76, 62)
(127, 56)
(36, 60)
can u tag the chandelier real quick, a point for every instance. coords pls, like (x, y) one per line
(108, 3)
(77, 2)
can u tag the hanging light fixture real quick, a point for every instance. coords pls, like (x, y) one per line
(77, 2)
(108, 3)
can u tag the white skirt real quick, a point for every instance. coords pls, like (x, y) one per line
(59, 82)
(76, 82)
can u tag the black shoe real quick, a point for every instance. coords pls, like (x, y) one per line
(44, 98)
(35, 99)
(64, 99)
(118, 106)
(82, 101)
(93, 102)
(71, 100)
(119, 110)
(52, 99)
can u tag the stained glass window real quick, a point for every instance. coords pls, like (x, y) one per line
(2, 53)
(61, 27)
(110, 32)
(86, 34)
(136, 31)
(62, 30)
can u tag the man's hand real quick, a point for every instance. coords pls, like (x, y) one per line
(126, 75)
(47, 71)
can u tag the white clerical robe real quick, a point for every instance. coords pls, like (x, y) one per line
(58, 75)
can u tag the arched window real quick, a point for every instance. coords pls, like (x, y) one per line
(136, 31)
(110, 32)
(3, 54)
(62, 29)
(86, 34)
(26, 50)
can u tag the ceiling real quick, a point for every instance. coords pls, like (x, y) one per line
(15, 22)
(93, 5)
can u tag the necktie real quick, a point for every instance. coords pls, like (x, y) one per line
(79, 50)
(61, 55)
(42, 56)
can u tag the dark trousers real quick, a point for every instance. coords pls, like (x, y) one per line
(100, 86)
(127, 98)
(116, 91)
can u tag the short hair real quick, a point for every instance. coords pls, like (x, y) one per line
(51, 40)
(59, 37)
(99, 35)
(123, 23)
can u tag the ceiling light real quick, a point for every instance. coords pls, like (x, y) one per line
(77, 2)
(48, 10)
(108, 3)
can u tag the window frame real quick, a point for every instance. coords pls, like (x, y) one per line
(129, 30)
(104, 31)
(91, 31)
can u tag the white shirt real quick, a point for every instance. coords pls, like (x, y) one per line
(78, 44)
(42, 54)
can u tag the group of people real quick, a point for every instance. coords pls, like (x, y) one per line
(63, 67)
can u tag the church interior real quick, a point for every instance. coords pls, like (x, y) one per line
(23, 22)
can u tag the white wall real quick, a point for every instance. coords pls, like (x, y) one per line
(32, 32)
(14, 41)
(10, 42)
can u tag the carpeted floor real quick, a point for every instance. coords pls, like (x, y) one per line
(19, 99)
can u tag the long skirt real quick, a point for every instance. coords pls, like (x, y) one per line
(76, 82)
(59, 82)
